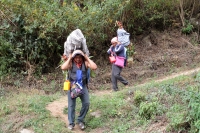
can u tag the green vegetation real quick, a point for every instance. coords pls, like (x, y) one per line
(175, 103)
(188, 28)
(28, 110)
(32, 33)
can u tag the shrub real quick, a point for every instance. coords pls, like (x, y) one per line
(148, 109)
(188, 28)
(139, 97)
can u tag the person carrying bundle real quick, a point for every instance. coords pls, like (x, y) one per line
(78, 63)
(76, 41)
(124, 38)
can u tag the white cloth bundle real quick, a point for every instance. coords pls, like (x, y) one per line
(75, 40)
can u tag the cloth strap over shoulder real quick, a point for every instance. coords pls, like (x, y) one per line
(76, 89)
(85, 74)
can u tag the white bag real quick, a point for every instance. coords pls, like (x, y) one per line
(123, 37)
(75, 40)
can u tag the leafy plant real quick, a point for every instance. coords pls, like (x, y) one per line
(188, 28)
(130, 50)
(5, 109)
(177, 116)
(148, 109)
(139, 97)
(194, 103)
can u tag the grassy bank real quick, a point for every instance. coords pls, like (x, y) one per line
(170, 106)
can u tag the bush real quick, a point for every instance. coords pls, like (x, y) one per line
(139, 97)
(8, 57)
(38, 29)
(188, 28)
(148, 109)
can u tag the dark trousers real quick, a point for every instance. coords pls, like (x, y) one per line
(72, 105)
(115, 76)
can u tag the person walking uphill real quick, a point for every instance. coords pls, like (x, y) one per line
(77, 64)
(118, 50)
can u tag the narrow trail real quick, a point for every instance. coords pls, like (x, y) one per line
(56, 107)
(174, 75)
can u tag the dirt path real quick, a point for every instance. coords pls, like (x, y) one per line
(56, 107)
(174, 75)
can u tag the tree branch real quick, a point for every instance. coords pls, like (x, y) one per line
(7, 17)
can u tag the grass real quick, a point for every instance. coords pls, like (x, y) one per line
(27, 110)
(174, 102)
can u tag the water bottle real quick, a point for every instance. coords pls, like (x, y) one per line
(66, 85)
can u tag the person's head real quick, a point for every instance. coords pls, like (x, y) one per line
(114, 41)
(78, 56)
(119, 24)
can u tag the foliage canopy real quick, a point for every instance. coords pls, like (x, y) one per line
(33, 31)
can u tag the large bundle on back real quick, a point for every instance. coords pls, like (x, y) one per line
(123, 37)
(75, 40)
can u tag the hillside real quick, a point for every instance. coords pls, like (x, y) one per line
(56, 107)
(157, 54)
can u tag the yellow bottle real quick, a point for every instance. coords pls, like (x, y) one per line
(66, 85)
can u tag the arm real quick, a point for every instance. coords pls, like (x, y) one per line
(110, 50)
(118, 48)
(67, 64)
(64, 56)
(89, 63)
